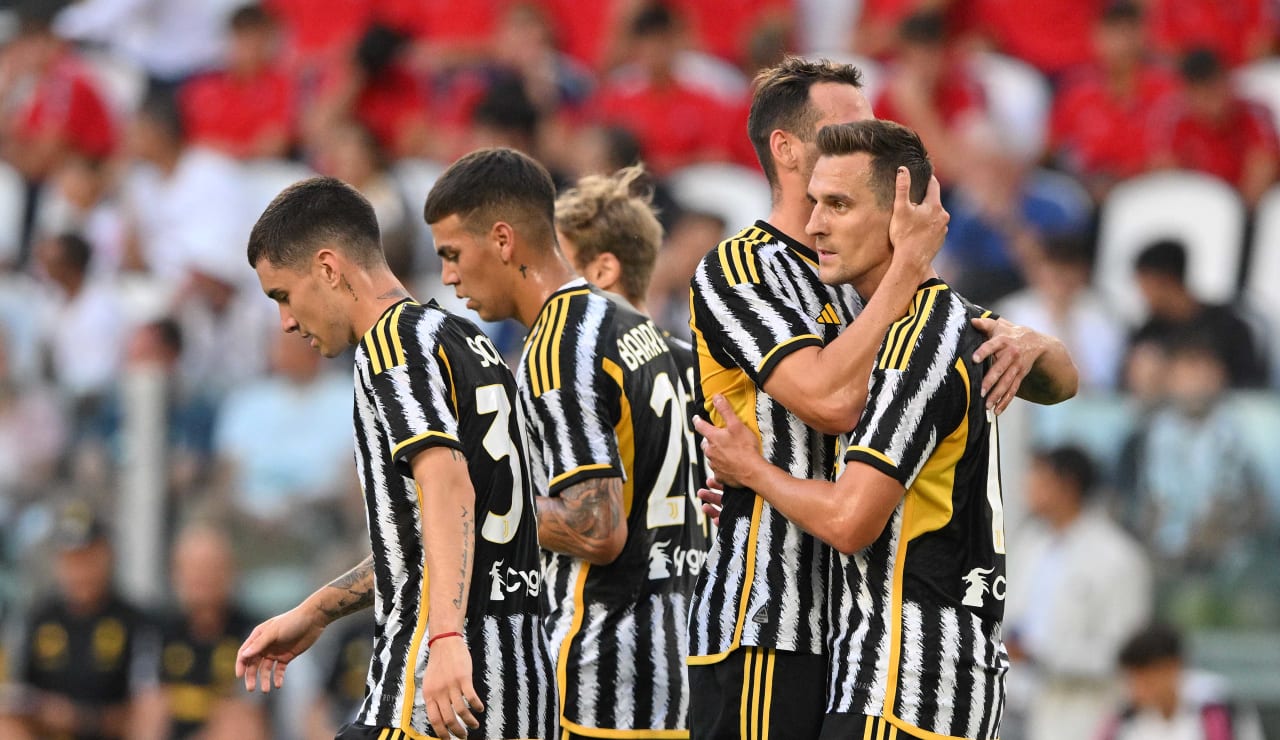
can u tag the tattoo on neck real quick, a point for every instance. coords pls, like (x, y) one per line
(393, 293)
(347, 284)
(524, 270)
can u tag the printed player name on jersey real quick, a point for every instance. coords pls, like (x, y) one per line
(641, 345)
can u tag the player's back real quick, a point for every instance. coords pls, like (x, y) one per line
(606, 398)
(428, 378)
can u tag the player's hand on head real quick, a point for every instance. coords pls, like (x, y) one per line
(1014, 350)
(447, 690)
(266, 653)
(917, 231)
(732, 449)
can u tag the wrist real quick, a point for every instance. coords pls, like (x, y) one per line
(447, 635)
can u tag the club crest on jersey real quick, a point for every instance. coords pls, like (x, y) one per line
(976, 586)
(502, 583)
(661, 562)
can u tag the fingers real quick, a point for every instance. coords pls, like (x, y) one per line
(987, 327)
(709, 496)
(726, 411)
(933, 195)
(703, 427)
(714, 484)
(712, 513)
(463, 704)
(435, 716)
(902, 189)
(280, 667)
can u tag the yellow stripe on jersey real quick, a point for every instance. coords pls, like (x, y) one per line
(418, 438)
(375, 357)
(601, 732)
(749, 256)
(765, 360)
(394, 328)
(877, 454)
(557, 333)
(895, 331)
(915, 317)
(880, 727)
(928, 507)
(380, 336)
(562, 662)
(570, 473)
(625, 431)
(419, 630)
(544, 359)
(448, 369)
(383, 735)
(738, 389)
(757, 694)
(927, 308)
(744, 708)
(867, 727)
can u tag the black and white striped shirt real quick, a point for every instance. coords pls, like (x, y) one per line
(755, 299)
(605, 398)
(425, 377)
(915, 617)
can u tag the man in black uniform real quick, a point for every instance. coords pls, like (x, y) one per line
(599, 390)
(454, 576)
(195, 666)
(609, 232)
(81, 658)
(917, 587)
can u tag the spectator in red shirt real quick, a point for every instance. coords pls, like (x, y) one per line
(1099, 117)
(1211, 129)
(54, 107)
(724, 27)
(315, 39)
(929, 89)
(876, 32)
(245, 110)
(1051, 35)
(676, 125)
(375, 86)
(1240, 31)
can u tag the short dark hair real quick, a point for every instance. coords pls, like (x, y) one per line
(160, 106)
(1121, 11)
(75, 250)
(1152, 644)
(1071, 463)
(1201, 65)
(1166, 257)
(251, 17)
(506, 106)
(780, 100)
(652, 19)
(316, 212)
(496, 184)
(926, 28)
(890, 145)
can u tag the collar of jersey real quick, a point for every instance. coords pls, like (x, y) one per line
(791, 244)
(384, 315)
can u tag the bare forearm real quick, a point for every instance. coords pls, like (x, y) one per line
(585, 521)
(1053, 377)
(347, 594)
(809, 504)
(449, 541)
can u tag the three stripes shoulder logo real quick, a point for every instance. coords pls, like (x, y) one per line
(829, 315)
(905, 332)
(383, 342)
(544, 339)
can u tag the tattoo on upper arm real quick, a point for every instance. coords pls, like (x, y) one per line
(457, 455)
(583, 517)
(356, 587)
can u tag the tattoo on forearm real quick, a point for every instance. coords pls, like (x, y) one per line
(583, 517)
(467, 527)
(355, 589)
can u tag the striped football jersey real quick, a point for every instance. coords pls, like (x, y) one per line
(425, 377)
(915, 617)
(755, 299)
(604, 398)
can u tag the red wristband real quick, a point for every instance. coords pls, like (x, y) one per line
(441, 636)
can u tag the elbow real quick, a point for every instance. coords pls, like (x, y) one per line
(848, 535)
(835, 414)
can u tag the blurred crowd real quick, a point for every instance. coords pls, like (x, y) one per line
(140, 139)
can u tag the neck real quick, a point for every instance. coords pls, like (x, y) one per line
(206, 622)
(1062, 519)
(791, 211)
(371, 294)
(536, 281)
(868, 283)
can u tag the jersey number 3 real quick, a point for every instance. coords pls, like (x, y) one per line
(492, 399)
